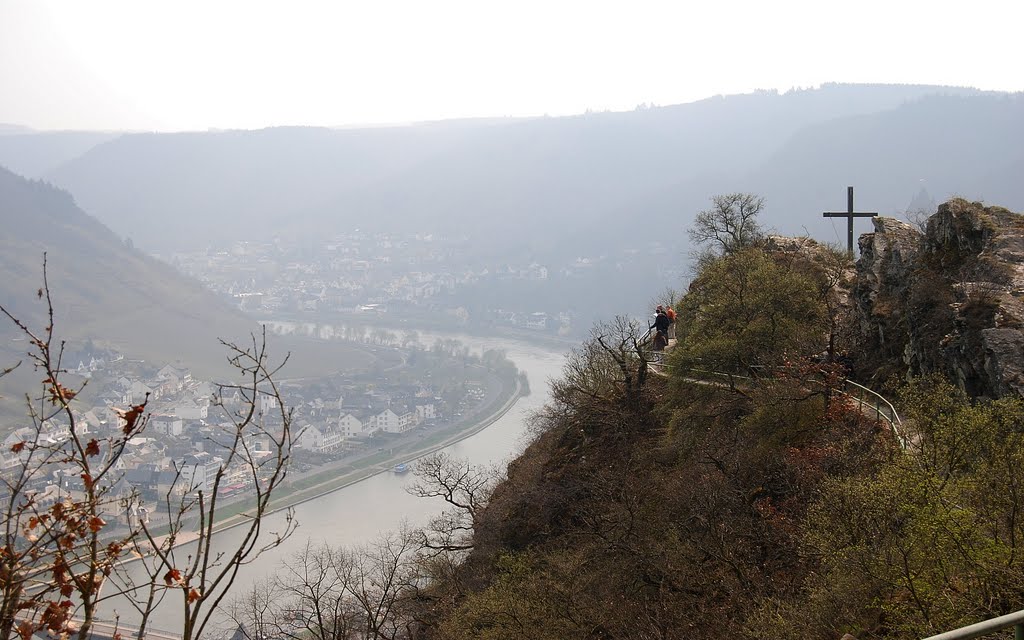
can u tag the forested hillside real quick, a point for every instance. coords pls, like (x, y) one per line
(103, 287)
(502, 182)
(737, 491)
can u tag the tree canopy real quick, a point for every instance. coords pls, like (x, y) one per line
(730, 224)
(746, 310)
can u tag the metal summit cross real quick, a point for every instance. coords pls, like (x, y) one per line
(849, 214)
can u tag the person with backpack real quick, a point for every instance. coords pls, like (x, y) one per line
(670, 312)
(661, 325)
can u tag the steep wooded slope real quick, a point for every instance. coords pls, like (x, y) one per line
(103, 289)
(703, 507)
(107, 291)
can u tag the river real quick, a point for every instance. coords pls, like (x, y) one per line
(359, 512)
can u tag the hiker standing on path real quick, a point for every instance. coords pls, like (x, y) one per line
(661, 325)
(670, 312)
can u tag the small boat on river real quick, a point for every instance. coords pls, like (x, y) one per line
(401, 467)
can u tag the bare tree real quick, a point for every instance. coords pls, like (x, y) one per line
(329, 593)
(310, 597)
(668, 297)
(257, 613)
(835, 270)
(616, 359)
(918, 218)
(254, 442)
(462, 485)
(603, 381)
(386, 574)
(730, 224)
(59, 541)
(70, 518)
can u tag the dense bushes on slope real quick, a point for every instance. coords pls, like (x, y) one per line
(931, 541)
(660, 508)
(664, 508)
(678, 528)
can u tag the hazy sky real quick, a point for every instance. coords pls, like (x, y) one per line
(196, 64)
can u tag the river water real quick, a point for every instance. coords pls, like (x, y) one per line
(360, 512)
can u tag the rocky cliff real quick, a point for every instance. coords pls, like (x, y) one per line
(948, 300)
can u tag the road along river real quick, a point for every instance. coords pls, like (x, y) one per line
(359, 512)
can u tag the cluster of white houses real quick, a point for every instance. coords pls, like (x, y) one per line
(142, 476)
(170, 455)
(178, 453)
(332, 434)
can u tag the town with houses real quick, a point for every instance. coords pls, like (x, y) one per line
(181, 449)
(420, 276)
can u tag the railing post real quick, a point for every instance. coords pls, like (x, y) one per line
(1018, 632)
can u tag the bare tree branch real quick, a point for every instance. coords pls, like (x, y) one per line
(730, 224)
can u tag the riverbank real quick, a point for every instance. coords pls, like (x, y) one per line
(396, 455)
(367, 506)
(321, 483)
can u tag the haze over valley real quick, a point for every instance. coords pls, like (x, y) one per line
(490, 222)
(445, 321)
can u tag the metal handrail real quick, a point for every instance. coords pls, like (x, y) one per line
(1015, 620)
(881, 402)
(884, 410)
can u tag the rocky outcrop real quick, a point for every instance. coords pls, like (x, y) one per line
(882, 287)
(950, 300)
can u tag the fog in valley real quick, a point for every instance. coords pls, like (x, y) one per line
(578, 218)
(421, 222)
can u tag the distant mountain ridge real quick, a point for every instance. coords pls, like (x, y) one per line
(34, 153)
(494, 180)
(606, 186)
(952, 145)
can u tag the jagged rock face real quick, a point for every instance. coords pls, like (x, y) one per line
(948, 300)
(887, 256)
